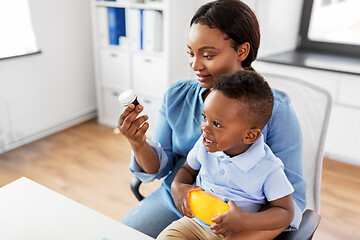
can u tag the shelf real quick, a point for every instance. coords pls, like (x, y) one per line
(111, 4)
(120, 49)
(115, 48)
(143, 58)
(149, 6)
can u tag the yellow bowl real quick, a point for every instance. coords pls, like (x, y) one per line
(206, 206)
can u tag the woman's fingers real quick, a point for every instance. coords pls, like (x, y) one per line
(137, 124)
(140, 134)
(125, 113)
(131, 117)
(127, 118)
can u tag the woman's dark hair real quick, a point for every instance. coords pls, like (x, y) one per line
(253, 92)
(236, 20)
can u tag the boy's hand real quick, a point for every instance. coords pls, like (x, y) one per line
(181, 195)
(228, 222)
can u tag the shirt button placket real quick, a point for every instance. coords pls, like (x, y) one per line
(221, 170)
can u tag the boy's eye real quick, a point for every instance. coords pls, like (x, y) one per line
(204, 117)
(216, 124)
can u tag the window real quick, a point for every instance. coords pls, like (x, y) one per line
(331, 26)
(16, 32)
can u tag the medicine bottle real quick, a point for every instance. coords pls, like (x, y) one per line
(127, 97)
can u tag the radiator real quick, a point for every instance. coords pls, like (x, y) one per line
(343, 136)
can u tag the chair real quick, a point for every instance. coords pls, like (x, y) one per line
(312, 106)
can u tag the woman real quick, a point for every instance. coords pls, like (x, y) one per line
(223, 38)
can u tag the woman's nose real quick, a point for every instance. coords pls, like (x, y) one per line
(196, 64)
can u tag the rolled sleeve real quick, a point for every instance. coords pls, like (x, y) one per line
(147, 177)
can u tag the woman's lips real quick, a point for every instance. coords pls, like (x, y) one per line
(202, 78)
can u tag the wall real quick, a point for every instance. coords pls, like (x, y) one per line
(279, 24)
(44, 93)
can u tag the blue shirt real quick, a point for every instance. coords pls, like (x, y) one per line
(178, 130)
(248, 179)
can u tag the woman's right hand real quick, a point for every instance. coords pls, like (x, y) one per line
(132, 126)
(181, 196)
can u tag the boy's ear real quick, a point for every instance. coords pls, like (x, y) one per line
(252, 135)
(243, 51)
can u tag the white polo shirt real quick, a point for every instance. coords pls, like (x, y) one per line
(247, 179)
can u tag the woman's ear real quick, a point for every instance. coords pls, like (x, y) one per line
(252, 135)
(243, 51)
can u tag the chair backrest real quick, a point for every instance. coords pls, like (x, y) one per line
(312, 106)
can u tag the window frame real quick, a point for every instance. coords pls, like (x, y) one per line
(35, 49)
(306, 44)
(21, 55)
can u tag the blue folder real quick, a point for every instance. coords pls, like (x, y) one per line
(117, 24)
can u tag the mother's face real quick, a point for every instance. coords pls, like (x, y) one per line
(210, 55)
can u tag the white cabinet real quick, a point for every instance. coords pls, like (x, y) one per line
(151, 105)
(324, 79)
(115, 68)
(110, 108)
(149, 75)
(349, 91)
(149, 57)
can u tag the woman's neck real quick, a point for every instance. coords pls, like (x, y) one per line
(205, 94)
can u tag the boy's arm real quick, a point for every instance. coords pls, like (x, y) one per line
(181, 188)
(278, 216)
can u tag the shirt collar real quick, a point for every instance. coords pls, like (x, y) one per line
(247, 160)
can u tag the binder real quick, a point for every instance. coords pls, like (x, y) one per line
(117, 28)
(135, 34)
(141, 29)
(152, 30)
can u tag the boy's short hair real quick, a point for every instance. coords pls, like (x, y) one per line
(251, 89)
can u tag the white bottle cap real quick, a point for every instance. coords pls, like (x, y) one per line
(127, 97)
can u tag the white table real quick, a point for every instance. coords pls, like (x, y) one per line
(30, 211)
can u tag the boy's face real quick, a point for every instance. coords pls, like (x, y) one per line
(224, 126)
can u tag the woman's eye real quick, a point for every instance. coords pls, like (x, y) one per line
(190, 53)
(216, 124)
(208, 56)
